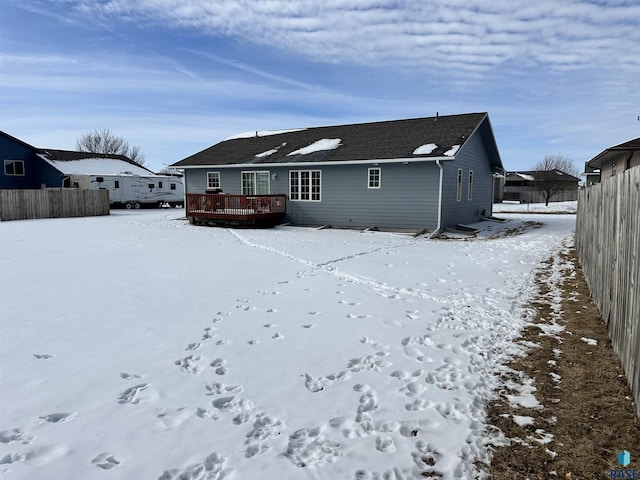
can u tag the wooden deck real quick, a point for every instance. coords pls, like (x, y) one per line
(235, 210)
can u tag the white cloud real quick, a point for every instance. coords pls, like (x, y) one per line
(440, 34)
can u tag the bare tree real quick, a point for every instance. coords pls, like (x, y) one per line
(105, 141)
(551, 177)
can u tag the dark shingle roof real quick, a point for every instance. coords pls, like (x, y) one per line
(396, 139)
(71, 155)
(630, 146)
(559, 176)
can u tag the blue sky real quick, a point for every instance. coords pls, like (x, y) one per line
(174, 76)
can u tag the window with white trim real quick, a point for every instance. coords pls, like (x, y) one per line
(459, 186)
(213, 179)
(255, 183)
(14, 167)
(470, 189)
(304, 185)
(374, 178)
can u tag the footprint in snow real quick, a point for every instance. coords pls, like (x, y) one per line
(129, 376)
(190, 364)
(16, 435)
(220, 388)
(132, 395)
(345, 302)
(212, 468)
(219, 365)
(385, 444)
(205, 413)
(58, 417)
(254, 450)
(309, 325)
(106, 461)
(43, 356)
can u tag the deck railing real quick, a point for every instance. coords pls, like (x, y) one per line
(231, 208)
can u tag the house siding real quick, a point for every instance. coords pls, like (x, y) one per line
(407, 197)
(37, 172)
(472, 156)
(622, 163)
(12, 150)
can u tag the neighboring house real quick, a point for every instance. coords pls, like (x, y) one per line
(612, 161)
(28, 167)
(423, 173)
(592, 175)
(533, 186)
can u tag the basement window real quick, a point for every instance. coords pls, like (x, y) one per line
(14, 167)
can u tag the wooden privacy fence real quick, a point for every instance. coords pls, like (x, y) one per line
(52, 203)
(608, 246)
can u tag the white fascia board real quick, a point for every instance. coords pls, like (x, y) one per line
(321, 164)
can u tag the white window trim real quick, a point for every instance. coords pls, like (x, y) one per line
(7, 162)
(369, 185)
(255, 181)
(470, 186)
(459, 186)
(299, 192)
(216, 174)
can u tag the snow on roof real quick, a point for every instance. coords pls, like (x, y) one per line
(452, 151)
(95, 166)
(524, 176)
(267, 153)
(324, 144)
(272, 151)
(425, 149)
(261, 133)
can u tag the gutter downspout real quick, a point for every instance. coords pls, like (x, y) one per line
(437, 230)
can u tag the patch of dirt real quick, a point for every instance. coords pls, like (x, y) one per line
(586, 413)
(512, 232)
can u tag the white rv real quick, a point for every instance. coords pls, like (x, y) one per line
(133, 191)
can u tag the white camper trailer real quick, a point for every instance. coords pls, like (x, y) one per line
(133, 191)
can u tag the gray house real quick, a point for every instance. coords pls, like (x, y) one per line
(424, 173)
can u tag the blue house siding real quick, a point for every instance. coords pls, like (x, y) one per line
(407, 197)
(37, 172)
(12, 150)
(471, 157)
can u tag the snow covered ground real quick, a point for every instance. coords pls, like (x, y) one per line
(553, 207)
(137, 346)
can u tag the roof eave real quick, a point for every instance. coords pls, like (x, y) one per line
(326, 163)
